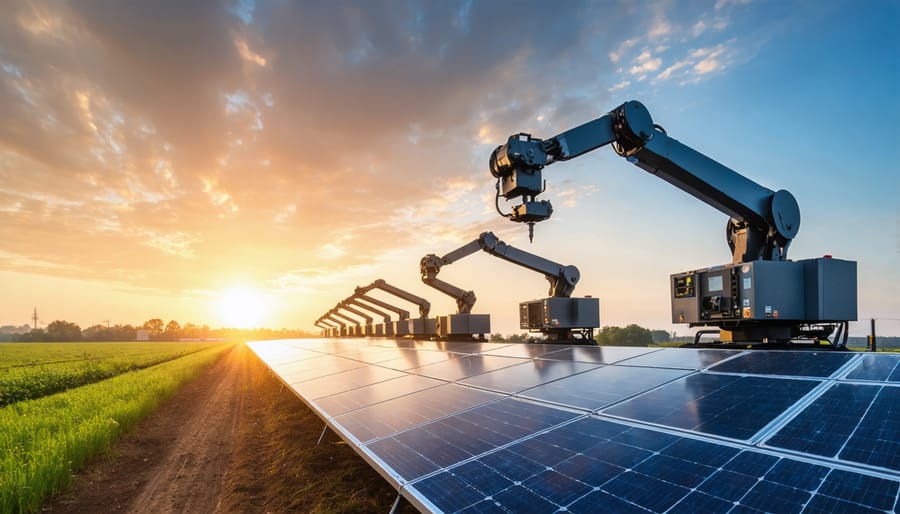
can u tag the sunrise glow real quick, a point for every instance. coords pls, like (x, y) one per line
(241, 307)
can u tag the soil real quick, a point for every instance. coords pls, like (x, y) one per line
(232, 440)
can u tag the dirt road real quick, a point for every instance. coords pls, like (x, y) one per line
(232, 440)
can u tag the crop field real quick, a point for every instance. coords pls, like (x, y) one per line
(43, 440)
(32, 370)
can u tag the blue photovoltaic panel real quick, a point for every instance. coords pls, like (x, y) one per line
(684, 358)
(603, 386)
(409, 359)
(523, 351)
(373, 354)
(401, 413)
(598, 354)
(346, 381)
(597, 468)
(450, 440)
(799, 363)
(883, 368)
(725, 405)
(470, 347)
(832, 439)
(529, 373)
(309, 369)
(341, 403)
(859, 423)
(467, 366)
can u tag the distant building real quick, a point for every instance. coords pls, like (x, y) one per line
(143, 335)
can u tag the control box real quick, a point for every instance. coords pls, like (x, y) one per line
(807, 291)
(465, 324)
(559, 313)
(415, 327)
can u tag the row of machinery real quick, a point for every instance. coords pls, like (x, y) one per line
(559, 317)
(337, 322)
(761, 295)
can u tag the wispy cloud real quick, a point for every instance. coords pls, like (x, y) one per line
(144, 138)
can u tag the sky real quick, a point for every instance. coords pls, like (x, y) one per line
(174, 159)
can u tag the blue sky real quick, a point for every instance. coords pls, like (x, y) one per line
(153, 156)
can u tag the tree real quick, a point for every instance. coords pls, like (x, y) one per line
(34, 335)
(632, 335)
(95, 333)
(61, 330)
(660, 336)
(173, 331)
(154, 327)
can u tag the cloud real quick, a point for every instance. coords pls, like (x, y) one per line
(616, 54)
(697, 63)
(645, 63)
(619, 85)
(140, 139)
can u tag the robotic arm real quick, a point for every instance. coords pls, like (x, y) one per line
(343, 305)
(424, 305)
(762, 223)
(562, 278)
(401, 313)
(335, 315)
(330, 317)
(355, 301)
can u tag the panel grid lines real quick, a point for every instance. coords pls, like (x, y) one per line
(480, 427)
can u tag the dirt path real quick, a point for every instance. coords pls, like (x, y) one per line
(191, 477)
(232, 440)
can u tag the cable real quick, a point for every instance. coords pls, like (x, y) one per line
(497, 200)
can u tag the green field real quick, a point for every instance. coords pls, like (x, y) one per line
(33, 370)
(43, 441)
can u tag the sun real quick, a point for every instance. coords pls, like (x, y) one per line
(241, 307)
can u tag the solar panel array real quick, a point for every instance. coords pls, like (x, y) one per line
(485, 427)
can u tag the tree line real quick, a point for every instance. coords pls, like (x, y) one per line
(156, 329)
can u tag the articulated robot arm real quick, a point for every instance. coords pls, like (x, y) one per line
(330, 317)
(762, 223)
(401, 313)
(562, 278)
(335, 315)
(430, 266)
(424, 305)
(353, 300)
(343, 306)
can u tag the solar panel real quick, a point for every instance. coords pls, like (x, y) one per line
(684, 358)
(725, 405)
(598, 354)
(602, 386)
(881, 368)
(449, 440)
(401, 413)
(353, 399)
(858, 423)
(409, 359)
(797, 363)
(524, 375)
(347, 380)
(466, 366)
(481, 427)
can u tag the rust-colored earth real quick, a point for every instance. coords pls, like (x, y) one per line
(231, 440)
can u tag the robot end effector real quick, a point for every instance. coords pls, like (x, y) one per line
(762, 224)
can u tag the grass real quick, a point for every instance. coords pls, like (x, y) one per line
(43, 441)
(33, 370)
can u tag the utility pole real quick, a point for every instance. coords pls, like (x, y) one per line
(34, 318)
